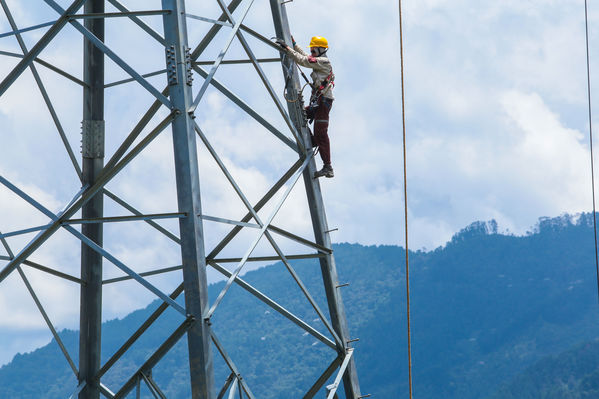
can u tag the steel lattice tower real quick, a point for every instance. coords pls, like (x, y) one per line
(179, 105)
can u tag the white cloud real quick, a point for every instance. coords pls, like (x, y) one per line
(495, 96)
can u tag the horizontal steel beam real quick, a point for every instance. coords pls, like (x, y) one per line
(116, 219)
(234, 62)
(118, 14)
(53, 272)
(144, 274)
(30, 28)
(49, 66)
(274, 258)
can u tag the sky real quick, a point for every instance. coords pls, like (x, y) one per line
(496, 119)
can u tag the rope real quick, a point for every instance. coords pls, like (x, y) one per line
(405, 185)
(586, 26)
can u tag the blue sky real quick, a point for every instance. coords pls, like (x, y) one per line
(496, 122)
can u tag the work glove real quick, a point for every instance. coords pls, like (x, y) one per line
(281, 43)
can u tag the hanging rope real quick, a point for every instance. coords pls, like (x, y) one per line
(586, 26)
(405, 193)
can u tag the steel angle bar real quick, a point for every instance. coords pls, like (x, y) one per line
(275, 306)
(39, 46)
(25, 231)
(97, 248)
(333, 387)
(44, 93)
(249, 110)
(259, 205)
(139, 127)
(269, 258)
(323, 378)
(123, 81)
(255, 242)
(228, 175)
(138, 333)
(136, 212)
(227, 221)
(127, 270)
(139, 22)
(7, 247)
(47, 65)
(51, 271)
(293, 180)
(150, 386)
(232, 366)
(228, 382)
(299, 239)
(156, 356)
(41, 309)
(115, 165)
(28, 29)
(212, 21)
(235, 62)
(105, 391)
(153, 385)
(78, 389)
(27, 198)
(117, 219)
(112, 55)
(74, 206)
(260, 37)
(118, 14)
(265, 81)
(144, 274)
(233, 390)
(213, 31)
(220, 57)
(3, 257)
(304, 289)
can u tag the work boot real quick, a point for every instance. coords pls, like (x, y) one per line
(326, 171)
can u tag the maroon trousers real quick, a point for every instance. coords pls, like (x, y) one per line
(320, 114)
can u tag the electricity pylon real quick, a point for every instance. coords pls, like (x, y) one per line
(179, 105)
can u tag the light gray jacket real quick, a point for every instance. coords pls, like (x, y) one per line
(321, 68)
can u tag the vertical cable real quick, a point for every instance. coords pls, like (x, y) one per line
(405, 192)
(586, 27)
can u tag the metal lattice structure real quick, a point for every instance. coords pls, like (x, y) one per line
(94, 206)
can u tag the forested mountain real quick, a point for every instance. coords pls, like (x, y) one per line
(491, 313)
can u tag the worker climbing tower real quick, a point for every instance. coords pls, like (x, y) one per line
(213, 198)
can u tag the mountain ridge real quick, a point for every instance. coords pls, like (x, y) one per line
(486, 307)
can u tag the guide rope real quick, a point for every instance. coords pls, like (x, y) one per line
(586, 26)
(405, 185)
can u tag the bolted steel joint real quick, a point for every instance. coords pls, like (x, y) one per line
(171, 65)
(188, 66)
(92, 140)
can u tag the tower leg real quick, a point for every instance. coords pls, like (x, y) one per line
(188, 195)
(93, 162)
(317, 212)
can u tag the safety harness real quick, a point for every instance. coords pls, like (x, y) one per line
(328, 82)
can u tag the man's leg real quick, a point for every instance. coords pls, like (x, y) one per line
(321, 128)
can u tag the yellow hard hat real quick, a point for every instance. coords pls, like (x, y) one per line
(319, 41)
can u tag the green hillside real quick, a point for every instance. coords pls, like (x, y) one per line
(486, 308)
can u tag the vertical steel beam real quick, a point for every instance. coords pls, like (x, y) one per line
(178, 60)
(316, 204)
(93, 161)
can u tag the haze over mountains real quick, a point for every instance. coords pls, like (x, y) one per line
(493, 316)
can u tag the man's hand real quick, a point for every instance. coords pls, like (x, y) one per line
(281, 43)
